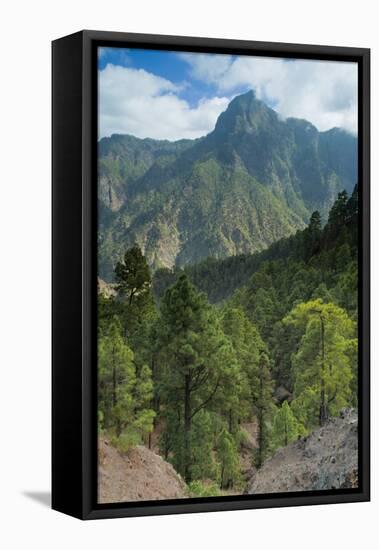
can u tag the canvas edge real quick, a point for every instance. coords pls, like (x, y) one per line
(85, 507)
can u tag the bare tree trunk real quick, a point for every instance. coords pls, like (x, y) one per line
(222, 477)
(260, 423)
(114, 386)
(187, 428)
(110, 195)
(323, 406)
(260, 439)
(155, 400)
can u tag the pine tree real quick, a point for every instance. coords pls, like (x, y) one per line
(322, 293)
(263, 406)
(263, 310)
(285, 427)
(135, 303)
(227, 455)
(116, 379)
(284, 340)
(345, 291)
(338, 216)
(144, 415)
(203, 465)
(353, 205)
(314, 227)
(123, 397)
(255, 366)
(196, 357)
(247, 345)
(133, 274)
(322, 366)
(312, 235)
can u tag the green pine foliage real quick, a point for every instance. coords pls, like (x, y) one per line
(203, 463)
(204, 489)
(323, 363)
(268, 339)
(123, 396)
(227, 454)
(286, 428)
(198, 361)
(263, 408)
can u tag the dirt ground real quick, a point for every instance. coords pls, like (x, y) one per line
(137, 475)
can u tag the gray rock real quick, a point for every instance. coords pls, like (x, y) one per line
(327, 459)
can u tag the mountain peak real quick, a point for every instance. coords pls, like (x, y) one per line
(163, 195)
(245, 113)
(245, 97)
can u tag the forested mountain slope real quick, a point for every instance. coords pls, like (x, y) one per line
(315, 263)
(308, 248)
(278, 351)
(252, 181)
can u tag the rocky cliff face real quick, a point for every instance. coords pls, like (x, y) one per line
(253, 180)
(326, 459)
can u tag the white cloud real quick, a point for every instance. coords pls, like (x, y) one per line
(136, 102)
(133, 101)
(323, 92)
(207, 67)
(122, 54)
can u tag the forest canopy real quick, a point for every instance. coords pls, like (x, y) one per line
(201, 354)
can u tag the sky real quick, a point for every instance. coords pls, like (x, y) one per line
(174, 95)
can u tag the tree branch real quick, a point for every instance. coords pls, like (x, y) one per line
(200, 382)
(333, 397)
(206, 400)
(200, 377)
(195, 379)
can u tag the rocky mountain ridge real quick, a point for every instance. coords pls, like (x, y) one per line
(254, 179)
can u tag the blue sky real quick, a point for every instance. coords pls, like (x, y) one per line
(168, 65)
(173, 95)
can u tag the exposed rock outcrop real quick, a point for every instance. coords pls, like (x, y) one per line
(107, 289)
(326, 459)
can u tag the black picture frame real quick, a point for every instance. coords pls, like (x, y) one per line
(74, 203)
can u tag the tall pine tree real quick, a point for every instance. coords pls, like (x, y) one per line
(196, 358)
(322, 365)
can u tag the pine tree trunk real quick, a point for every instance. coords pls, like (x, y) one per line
(260, 423)
(155, 399)
(260, 438)
(187, 428)
(114, 398)
(114, 386)
(222, 477)
(323, 408)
